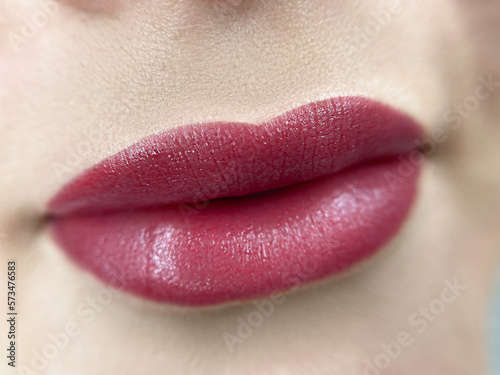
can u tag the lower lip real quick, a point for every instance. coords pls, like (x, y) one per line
(241, 248)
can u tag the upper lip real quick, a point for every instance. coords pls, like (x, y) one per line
(201, 162)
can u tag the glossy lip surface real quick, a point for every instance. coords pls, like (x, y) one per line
(213, 213)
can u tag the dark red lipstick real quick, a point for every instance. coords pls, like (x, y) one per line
(212, 213)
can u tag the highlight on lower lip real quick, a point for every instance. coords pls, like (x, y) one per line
(324, 203)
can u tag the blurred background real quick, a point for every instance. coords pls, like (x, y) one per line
(496, 327)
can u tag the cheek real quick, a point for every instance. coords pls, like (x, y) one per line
(93, 5)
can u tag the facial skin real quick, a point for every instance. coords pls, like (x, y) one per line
(116, 72)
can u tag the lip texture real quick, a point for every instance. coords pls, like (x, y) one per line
(212, 213)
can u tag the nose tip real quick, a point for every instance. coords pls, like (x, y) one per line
(90, 5)
(114, 5)
(226, 6)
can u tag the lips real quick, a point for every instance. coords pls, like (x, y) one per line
(212, 213)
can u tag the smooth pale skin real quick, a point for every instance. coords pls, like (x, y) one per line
(126, 69)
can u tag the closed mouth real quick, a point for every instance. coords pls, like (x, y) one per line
(220, 212)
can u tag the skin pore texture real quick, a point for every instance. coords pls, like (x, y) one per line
(96, 78)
